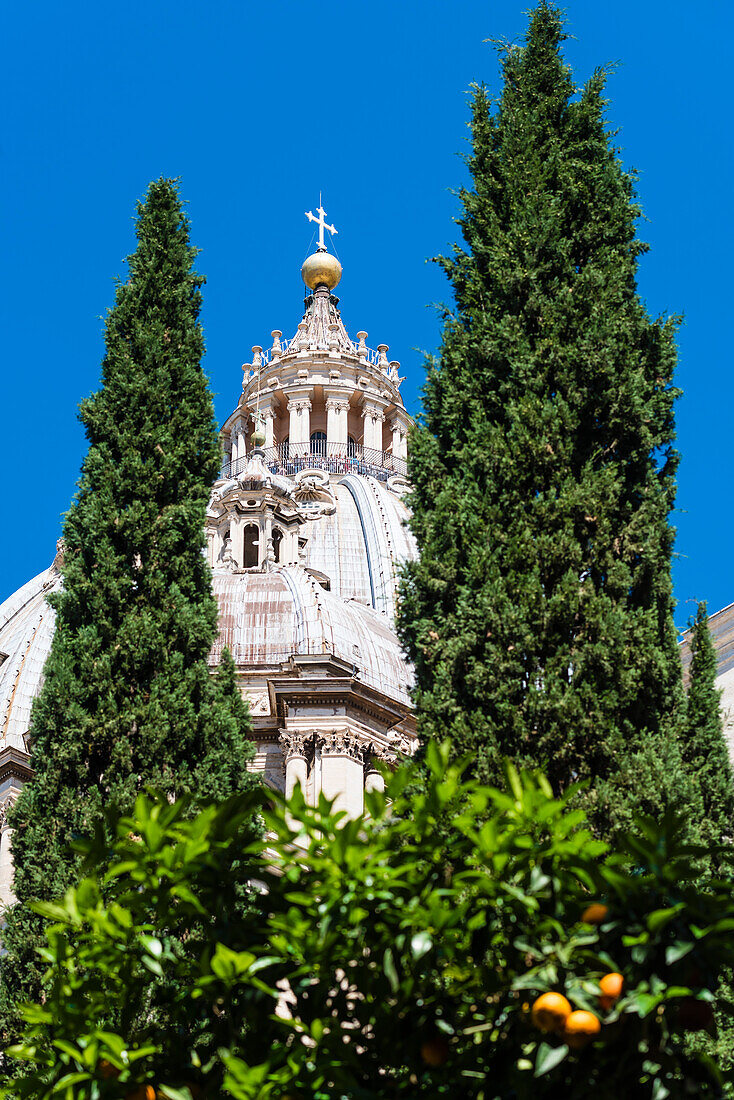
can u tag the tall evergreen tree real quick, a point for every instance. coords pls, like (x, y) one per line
(128, 700)
(539, 615)
(704, 749)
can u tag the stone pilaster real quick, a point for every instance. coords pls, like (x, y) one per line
(269, 416)
(342, 770)
(337, 412)
(7, 897)
(299, 409)
(293, 745)
(399, 431)
(373, 418)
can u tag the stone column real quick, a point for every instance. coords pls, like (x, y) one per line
(342, 771)
(226, 454)
(7, 897)
(293, 747)
(300, 425)
(373, 418)
(399, 438)
(337, 410)
(267, 552)
(239, 445)
(374, 780)
(368, 434)
(269, 418)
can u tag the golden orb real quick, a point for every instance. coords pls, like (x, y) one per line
(321, 269)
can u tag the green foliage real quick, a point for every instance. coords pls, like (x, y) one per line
(539, 614)
(704, 750)
(128, 698)
(706, 755)
(380, 945)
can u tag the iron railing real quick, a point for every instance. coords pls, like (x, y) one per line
(334, 458)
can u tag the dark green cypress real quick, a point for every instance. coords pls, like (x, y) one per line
(704, 750)
(128, 700)
(539, 616)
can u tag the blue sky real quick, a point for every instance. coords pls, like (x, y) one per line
(258, 107)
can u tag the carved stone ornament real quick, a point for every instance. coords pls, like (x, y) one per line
(336, 404)
(313, 495)
(341, 743)
(379, 754)
(226, 557)
(295, 743)
(398, 485)
(260, 703)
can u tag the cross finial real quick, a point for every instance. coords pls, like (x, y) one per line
(321, 222)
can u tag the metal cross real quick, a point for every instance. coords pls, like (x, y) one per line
(321, 222)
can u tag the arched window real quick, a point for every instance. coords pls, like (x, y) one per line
(318, 443)
(351, 446)
(252, 543)
(277, 539)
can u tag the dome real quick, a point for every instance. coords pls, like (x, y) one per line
(26, 628)
(361, 546)
(266, 619)
(321, 269)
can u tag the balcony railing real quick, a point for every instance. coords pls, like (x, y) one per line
(334, 458)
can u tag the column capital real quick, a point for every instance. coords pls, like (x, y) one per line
(295, 743)
(337, 404)
(299, 403)
(374, 408)
(341, 743)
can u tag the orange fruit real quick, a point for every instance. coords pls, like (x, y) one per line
(611, 987)
(595, 913)
(144, 1092)
(550, 1011)
(580, 1028)
(435, 1051)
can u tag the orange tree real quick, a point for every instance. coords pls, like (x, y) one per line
(389, 956)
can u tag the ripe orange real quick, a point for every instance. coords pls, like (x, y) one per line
(144, 1092)
(580, 1028)
(611, 987)
(595, 913)
(435, 1051)
(106, 1069)
(550, 1012)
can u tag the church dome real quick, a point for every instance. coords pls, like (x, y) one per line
(306, 535)
(268, 619)
(26, 628)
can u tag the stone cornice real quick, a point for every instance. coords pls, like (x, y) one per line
(15, 764)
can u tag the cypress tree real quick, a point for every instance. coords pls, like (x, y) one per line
(704, 749)
(128, 700)
(539, 615)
